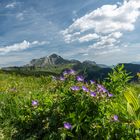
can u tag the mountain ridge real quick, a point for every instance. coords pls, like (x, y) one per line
(55, 59)
(55, 65)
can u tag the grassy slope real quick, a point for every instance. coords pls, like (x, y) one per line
(15, 93)
(23, 90)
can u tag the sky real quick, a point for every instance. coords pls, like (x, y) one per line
(104, 31)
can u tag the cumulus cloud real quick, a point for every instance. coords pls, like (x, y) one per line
(107, 40)
(21, 46)
(104, 26)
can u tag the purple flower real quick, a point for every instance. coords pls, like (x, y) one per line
(34, 103)
(67, 125)
(92, 81)
(110, 95)
(101, 88)
(71, 71)
(65, 72)
(80, 78)
(75, 88)
(85, 89)
(115, 118)
(62, 78)
(93, 94)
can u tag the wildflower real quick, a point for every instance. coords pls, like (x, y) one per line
(65, 73)
(93, 94)
(80, 78)
(67, 125)
(115, 118)
(75, 88)
(85, 89)
(71, 71)
(110, 95)
(34, 103)
(62, 78)
(101, 88)
(92, 81)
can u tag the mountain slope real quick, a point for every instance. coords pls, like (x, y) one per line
(55, 65)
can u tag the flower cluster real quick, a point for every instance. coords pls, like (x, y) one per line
(93, 89)
(99, 91)
(69, 72)
(75, 88)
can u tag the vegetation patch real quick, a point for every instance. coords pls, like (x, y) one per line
(69, 107)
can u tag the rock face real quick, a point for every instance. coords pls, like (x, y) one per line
(53, 59)
(88, 62)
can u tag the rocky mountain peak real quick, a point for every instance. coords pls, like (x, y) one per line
(54, 56)
(53, 59)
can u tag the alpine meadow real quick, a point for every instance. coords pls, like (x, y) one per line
(69, 70)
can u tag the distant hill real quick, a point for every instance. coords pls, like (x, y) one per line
(135, 62)
(55, 65)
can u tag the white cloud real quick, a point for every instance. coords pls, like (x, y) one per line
(88, 37)
(39, 43)
(109, 23)
(108, 18)
(21, 46)
(20, 16)
(11, 5)
(107, 41)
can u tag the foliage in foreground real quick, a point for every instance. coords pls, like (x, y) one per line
(68, 108)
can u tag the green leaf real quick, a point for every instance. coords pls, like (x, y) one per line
(137, 123)
(70, 134)
(132, 100)
(130, 109)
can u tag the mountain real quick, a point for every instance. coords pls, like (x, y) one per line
(103, 66)
(55, 65)
(135, 62)
(53, 59)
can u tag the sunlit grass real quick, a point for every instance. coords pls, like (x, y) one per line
(52, 108)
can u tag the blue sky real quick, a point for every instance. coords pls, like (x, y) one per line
(105, 31)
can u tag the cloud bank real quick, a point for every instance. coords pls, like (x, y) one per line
(105, 26)
(21, 46)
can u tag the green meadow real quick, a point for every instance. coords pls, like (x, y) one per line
(69, 108)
